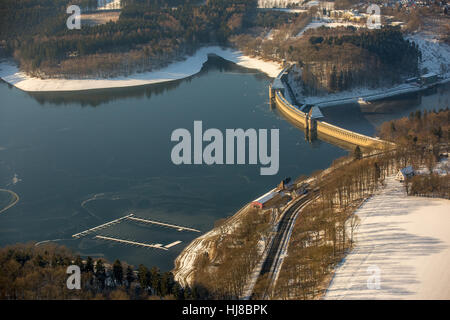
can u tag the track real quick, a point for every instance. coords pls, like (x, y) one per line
(272, 263)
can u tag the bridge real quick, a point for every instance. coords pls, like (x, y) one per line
(313, 126)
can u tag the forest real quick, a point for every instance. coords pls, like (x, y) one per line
(423, 136)
(39, 273)
(148, 34)
(338, 59)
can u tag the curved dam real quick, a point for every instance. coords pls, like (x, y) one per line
(314, 127)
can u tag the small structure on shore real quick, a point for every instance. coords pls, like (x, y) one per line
(262, 201)
(284, 184)
(405, 173)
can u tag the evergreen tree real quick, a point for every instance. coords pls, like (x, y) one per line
(79, 263)
(118, 271)
(129, 276)
(89, 265)
(143, 276)
(357, 154)
(100, 273)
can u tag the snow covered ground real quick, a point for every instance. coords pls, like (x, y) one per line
(108, 4)
(327, 23)
(404, 242)
(435, 54)
(435, 58)
(178, 70)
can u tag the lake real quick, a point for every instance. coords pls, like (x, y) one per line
(80, 159)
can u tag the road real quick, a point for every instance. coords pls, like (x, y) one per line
(279, 243)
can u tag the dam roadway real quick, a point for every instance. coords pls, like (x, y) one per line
(312, 126)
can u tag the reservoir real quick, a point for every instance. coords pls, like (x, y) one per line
(80, 159)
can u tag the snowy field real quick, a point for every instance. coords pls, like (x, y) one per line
(327, 23)
(406, 239)
(178, 70)
(435, 54)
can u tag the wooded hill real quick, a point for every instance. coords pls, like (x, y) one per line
(338, 59)
(148, 34)
(39, 272)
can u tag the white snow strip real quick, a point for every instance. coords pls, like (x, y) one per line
(407, 240)
(178, 70)
(327, 23)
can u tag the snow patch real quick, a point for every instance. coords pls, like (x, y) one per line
(408, 239)
(435, 54)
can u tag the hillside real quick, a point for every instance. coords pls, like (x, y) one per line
(406, 239)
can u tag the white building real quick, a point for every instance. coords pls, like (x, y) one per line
(404, 173)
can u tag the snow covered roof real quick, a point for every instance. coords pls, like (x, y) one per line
(266, 197)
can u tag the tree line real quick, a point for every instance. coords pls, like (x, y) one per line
(147, 35)
(39, 272)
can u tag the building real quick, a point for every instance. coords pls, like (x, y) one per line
(285, 184)
(262, 201)
(405, 173)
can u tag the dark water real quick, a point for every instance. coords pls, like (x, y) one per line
(78, 160)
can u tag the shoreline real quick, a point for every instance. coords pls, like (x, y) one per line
(11, 74)
(370, 95)
(184, 263)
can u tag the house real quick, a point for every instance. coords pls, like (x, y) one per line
(405, 173)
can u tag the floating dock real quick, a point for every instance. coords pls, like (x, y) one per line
(100, 227)
(172, 244)
(133, 243)
(179, 228)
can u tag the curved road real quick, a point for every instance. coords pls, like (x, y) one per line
(281, 239)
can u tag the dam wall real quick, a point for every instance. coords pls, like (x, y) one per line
(313, 126)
